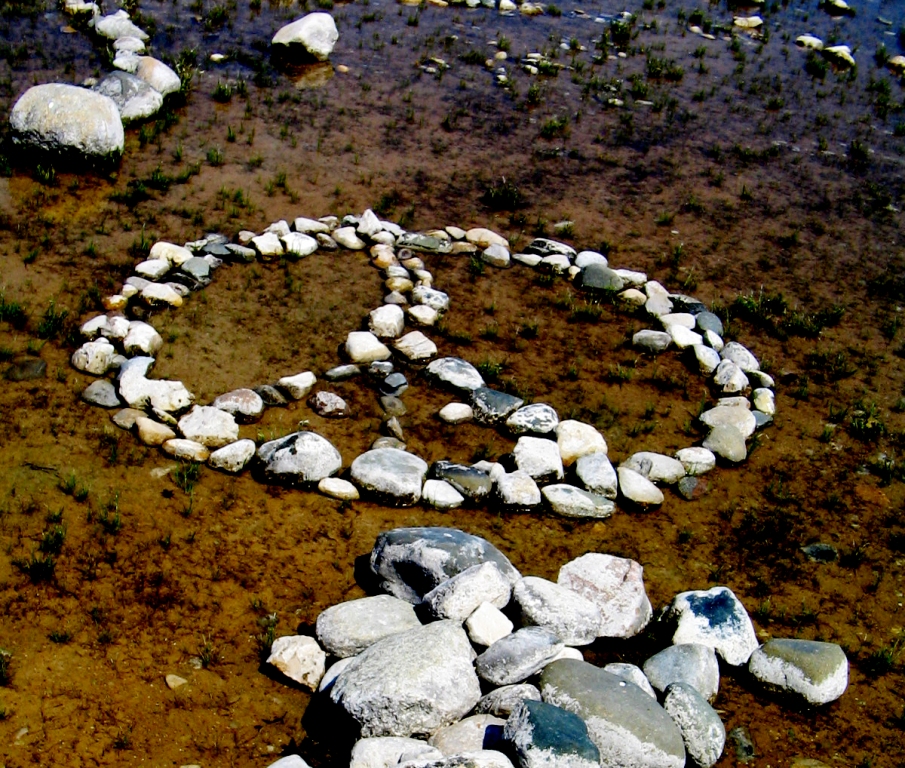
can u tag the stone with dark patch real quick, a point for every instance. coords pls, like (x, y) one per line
(543, 734)
(493, 407)
(470, 482)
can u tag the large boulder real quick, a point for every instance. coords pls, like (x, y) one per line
(348, 628)
(411, 683)
(575, 619)
(314, 35)
(61, 118)
(413, 561)
(302, 457)
(391, 475)
(627, 726)
(135, 99)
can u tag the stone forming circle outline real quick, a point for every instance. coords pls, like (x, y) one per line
(411, 246)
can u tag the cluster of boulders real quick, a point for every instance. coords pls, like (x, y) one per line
(562, 464)
(88, 120)
(465, 662)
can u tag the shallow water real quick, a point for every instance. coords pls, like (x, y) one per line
(727, 162)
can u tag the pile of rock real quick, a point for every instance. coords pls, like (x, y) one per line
(561, 464)
(465, 662)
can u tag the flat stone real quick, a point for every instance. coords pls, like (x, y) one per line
(410, 683)
(337, 488)
(209, 426)
(441, 495)
(299, 458)
(140, 392)
(574, 618)
(339, 373)
(569, 501)
(722, 416)
(298, 385)
(456, 373)
(348, 238)
(638, 489)
(117, 25)
(546, 736)
(365, 347)
(416, 346)
(539, 458)
(135, 99)
(597, 474)
(102, 393)
(412, 561)
(701, 728)
(537, 419)
(460, 596)
(517, 656)
(245, 405)
(174, 681)
(391, 475)
(814, 671)
(469, 481)
(496, 255)
(436, 300)
(517, 491)
(715, 618)
(577, 439)
(740, 355)
(125, 419)
(152, 432)
(233, 457)
(348, 628)
(684, 338)
(456, 413)
(157, 294)
(728, 443)
(300, 658)
(616, 586)
(820, 553)
(492, 407)
(707, 321)
(186, 450)
(690, 663)
(487, 624)
(386, 321)
(652, 341)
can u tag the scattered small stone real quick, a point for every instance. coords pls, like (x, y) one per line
(456, 413)
(329, 405)
(821, 553)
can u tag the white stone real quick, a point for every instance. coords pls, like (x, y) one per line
(441, 495)
(763, 401)
(538, 457)
(708, 359)
(616, 586)
(315, 32)
(310, 226)
(139, 392)
(337, 488)
(175, 254)
(459, 597)
(684, 319)
(496, 255)
(298, 385)
(577, 439)
(209, 426)
(574, 618)
(487, 625)
(631, 277)
(590, 257)
(186, 450)
(423, 314)
(638, 489)
(569, 501)
(118, 25)
(279, 228)
(598, 475)
(691, 663)
(483, 238)
(740, 355)
(715, 618)
(152, 432)
(299, 244)
(365, 347)
(684, 338)
(416, 346)
(730, 378)
(656, 467)
(348, 628)
(349, 239)
(727, 416)
(386, 321)
(300, 658)
(94, 357)
(817, 671)
(696, 460)
(142, 338)
(268, 245)
(158, 75)
(537, 418)
(456, 413)
(391, 751)
(233, 457)
(129, 43)
(157, 293)
(528, 259)
(516, 489)
(152, 269)
(631, 673)
(436, 300)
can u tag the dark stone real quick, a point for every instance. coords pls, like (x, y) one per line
(541, 246)
(597, 277)
(393, 406)
(271, 395)
(820, 553)
(707, 321)
(718, 608)
(412, 561)
(689, 304)
(535, 726)
(744, 744)
(470, 482)
(394, 384)
(26, 370)
(493, 407)
(691, 488)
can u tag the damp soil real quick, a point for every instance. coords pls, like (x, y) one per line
(745, 175)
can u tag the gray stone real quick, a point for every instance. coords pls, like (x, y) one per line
(715, 618)
(744, 744)
(410, 683)
(135, 99)
(455, 373)
(569, 501)
(632, 674)
(638, 489)
(598, 277)
(271, 395)
(539, 458)
(707, 321)
(697, 461)
(412, 561)
(574, 619)
(701, 728)
(517, 491)
(436, 300)
(390, 751)
(761, 419)
(348, 628)
(656, 467)
(516, 657)
(537, 419)
(418, 242)
(730, 378)
(501, 701)
(820, 553)
(727, 443)
(102, 393)
(493, 407)
(627, 726)
(740, 355)
(652, 341)
(690, 663)
(597, 474)
(299, 458)
(392, 406)
(245, 405)
(461, 595)
(691, 488)
(471, 482)
(546, 736)
(198, 270)
(314, 33)
(391, 475)
(241, 253)
(616, 586)
(125, 419)
(342, 372)
(815, 671)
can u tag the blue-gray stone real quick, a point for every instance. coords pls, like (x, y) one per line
(761, 419)
(470, 482)
(545, 735)
(240, 253)
(707, 321)
(418, 242)
(493, 407)
(342, 372)
(394, 384)
(598, 277)
(412, 561)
